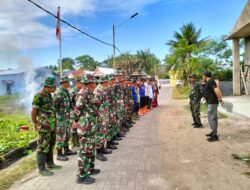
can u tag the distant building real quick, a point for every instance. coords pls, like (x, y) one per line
(14, 81)
(103, 71)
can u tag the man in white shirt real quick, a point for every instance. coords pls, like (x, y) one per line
(150, 94)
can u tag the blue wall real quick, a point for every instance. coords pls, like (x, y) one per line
(18, 85)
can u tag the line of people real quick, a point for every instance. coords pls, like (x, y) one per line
(95, 115)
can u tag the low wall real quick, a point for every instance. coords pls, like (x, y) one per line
(226, 88)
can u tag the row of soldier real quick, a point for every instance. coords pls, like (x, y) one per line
(95, 114)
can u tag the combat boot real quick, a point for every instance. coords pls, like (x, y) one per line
(68, 152)
(86, 180)
(209, 134)
(60, 156)
(41, 159)
(50, 161)
(118, 138)
(100, 156)
(94, 171)
(213, 138)
(110, 146)
(106, 151)
(114, 142)
(121, 134)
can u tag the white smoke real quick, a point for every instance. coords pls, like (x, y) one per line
(31, 85)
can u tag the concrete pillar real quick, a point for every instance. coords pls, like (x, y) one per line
(236, 67)
(247, 61)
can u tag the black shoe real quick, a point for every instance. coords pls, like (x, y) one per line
(118, 138)
(94, 171)
(213, 138)
(129, 125)
(86, 180)
(69, 152)
(114, 143)
(125, 130)
(61, 157)
(112, 147)
(120, 134)
(106, 151)
(193, 124)
(198, 126)
(100, 157)
(209, 134)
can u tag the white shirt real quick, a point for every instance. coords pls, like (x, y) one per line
(150, 94)
(146, 89)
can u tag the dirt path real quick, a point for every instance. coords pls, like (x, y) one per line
(164, 152)
(194, 163)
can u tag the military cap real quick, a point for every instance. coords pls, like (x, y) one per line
(64, 79)
(102, 79)
(77, 78)
(111, 77)
(50, 82)
(84, 80)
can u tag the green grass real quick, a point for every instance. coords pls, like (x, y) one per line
(180, 93)
(9, 104)
(245, 159)
(9, 176)
(203, 110)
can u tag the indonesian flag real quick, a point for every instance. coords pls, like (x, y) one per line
(58, 28)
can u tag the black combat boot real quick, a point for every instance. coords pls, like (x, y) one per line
(94, 171)
(106, 151)
(50, 161)
(110, 146)
(68, 152)
(213, 138)
(100, 156)
(41, 159)
(60, 156)
(86, 180)
(117, 138)
(209, 134)
(121, 134)
(114, 142)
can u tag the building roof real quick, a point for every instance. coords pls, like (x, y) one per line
(73, 74)
(103, 71)
(241, 28)
(12, 71)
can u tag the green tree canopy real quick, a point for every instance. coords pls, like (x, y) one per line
(86, 62)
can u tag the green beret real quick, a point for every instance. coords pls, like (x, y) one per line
(84, 80)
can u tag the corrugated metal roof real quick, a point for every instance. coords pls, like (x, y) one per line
(20, 71)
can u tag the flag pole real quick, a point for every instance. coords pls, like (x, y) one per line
(59, 37)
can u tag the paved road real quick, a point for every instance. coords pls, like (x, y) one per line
(163, 152)
(135, 165)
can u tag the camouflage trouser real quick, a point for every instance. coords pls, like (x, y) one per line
(102, 131)
(112, 123)
(45, 141)
(119, 117)
(195, 110)
(86, 155)
(74, 135)
(62, 134)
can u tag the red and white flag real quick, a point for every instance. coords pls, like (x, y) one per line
(58, 27)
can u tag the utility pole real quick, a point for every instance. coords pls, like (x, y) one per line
(114, 66)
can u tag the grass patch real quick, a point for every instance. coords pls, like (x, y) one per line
(245, 159)
(15, 173)
(180, 93)
(203, 110)
(10, 104)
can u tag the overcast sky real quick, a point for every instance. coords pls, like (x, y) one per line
(27, 33)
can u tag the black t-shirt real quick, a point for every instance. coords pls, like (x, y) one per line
(209, 93)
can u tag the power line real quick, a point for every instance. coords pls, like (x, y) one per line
(70, 25)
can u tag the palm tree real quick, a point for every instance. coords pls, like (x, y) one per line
(186, 44)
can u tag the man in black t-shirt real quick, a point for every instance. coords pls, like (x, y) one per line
(213, 96)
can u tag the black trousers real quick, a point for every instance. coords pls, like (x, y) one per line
(142, 102)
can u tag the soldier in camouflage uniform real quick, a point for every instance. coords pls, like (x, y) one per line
(62, 103)
(43, 117)
(102, 120)
(86, 123)
(112, 113)
(195, 96)
(73, 94)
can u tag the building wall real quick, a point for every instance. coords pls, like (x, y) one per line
(226, 88)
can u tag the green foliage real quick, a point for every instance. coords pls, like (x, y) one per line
(11, 137)
(68, 63)
(181, 92)
(87, 62)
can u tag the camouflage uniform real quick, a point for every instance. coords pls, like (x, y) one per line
(103, 116)
(63, 106)
(46, 126)
(74, 137)
(112, 112)
(195, 96)
(85, 114)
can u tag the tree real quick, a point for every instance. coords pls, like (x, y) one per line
(87, 62)
(68, 63)
(185, 49)
(148, 62)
